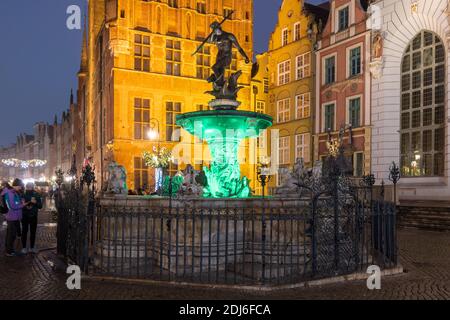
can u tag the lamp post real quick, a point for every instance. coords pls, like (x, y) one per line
(263, 174)
(394, 177)
(154, 134)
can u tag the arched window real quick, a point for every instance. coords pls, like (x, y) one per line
(423, 91)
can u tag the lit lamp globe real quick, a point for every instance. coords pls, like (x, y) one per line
(152, 135)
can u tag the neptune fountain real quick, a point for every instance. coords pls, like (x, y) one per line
(224, 127)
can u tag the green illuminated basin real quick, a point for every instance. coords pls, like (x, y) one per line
(224, 131)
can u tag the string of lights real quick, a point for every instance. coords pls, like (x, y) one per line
(24, 164)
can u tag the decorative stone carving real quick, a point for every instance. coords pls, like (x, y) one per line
(376, 68)
(117, 179)
(289, 186)
(190, 186)
(118, 47)
(377, 46)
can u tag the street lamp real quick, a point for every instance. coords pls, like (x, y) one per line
(263, 173)
(154, 134)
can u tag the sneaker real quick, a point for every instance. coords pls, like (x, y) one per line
(24, 251)
(10, 254)
(34, 250)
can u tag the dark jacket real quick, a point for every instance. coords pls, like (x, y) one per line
(31, 210)
(14, 204)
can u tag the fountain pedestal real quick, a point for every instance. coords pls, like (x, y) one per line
(224, 130)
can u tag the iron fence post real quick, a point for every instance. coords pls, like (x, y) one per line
(394, 176)
(336, 224)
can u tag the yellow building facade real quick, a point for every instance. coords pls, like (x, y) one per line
(142, 74)
(291, 84)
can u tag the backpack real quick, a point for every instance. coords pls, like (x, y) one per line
(3, 206)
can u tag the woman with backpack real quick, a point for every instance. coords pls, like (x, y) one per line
(14, 202)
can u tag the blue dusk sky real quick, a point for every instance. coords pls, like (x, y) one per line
(40, 58)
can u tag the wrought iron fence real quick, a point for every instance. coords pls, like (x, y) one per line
(327, 232)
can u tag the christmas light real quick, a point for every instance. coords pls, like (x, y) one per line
(24, 164)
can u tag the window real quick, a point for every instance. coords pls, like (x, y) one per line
(328, 113)
(302, 147)
(261, 141)
(303, 106)
(173, 57)
(141, 53)
(284, 72)
(358, 164)
(354, 112)
(201, 6)
(172, 130)
(330, 70)
(284, 37)
(266, 85)
(173, 169)
(283, 110)
(343, 19)
(355, 61)
(141, 174)
(202, 107)
(422, 107)
(173, 3)
(203, 63)
(297, 31)
(303, 66)
(283, 150)
(227, 12)
(141, 118)
(260, 106)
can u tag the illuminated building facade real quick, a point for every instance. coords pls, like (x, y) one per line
(140, 74)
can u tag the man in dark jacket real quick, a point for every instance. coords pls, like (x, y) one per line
(33, 202)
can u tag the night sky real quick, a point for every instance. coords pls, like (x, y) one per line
(40, 58)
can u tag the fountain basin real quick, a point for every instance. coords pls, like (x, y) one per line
(224, 130)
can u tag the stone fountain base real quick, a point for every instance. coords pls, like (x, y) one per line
(202, 236)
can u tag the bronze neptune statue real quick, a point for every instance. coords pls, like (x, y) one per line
(225, 41)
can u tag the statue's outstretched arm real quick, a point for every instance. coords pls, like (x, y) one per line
(238, 46)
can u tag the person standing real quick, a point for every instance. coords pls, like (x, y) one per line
(14, 203)
(30, 217)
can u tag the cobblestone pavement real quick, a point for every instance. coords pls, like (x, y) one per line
(424, 255)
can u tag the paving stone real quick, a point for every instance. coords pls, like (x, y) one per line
(424, 254)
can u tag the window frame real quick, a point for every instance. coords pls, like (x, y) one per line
(422, 145)
(301, 67)
(349, 60)
(285, 149)
(140, 56)
(297, 31)
(172, 61)
(286, 110)
(304, 146)
(172, 126)
(338, 17)
(303, 114)
(324, 69)
(285, 76)
(284, 37)
(144, 125)
(348, 116)
(324, 105)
